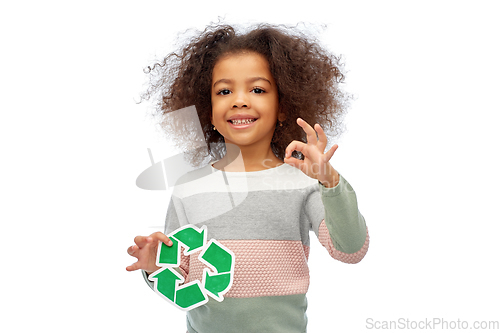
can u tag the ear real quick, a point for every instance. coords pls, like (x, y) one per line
(281, 116)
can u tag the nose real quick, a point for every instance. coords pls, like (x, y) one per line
(239, 105)
(241, 101)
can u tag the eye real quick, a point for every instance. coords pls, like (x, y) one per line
(258, 90)
(223, 92)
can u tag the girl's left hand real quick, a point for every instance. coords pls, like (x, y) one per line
(316, 163)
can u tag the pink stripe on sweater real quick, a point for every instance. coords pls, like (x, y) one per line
(263, 268)
(350, 258)
(184, 265)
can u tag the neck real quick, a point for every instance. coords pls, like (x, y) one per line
(244, 158)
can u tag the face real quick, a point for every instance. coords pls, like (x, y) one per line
(244, 100)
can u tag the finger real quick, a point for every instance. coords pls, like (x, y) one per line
(322, 138)
(131, 250)
(160, 236)
(294, 162)
(311, 133)
(135, 266)
(141, 241)
(295, 146)
(330, 153)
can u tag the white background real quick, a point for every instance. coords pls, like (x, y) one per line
(420, 151)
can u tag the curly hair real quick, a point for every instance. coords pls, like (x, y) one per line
(308, 78)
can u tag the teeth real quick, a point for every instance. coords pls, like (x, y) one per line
(242, 121)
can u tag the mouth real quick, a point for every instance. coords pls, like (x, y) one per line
(242, 121)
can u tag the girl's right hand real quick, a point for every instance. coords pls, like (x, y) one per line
(145, 250)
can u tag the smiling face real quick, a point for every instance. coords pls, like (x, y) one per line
(245, 101)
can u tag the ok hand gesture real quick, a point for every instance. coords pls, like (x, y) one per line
(316, 163)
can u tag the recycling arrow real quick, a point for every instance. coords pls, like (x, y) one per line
(216, 281)
(192, 237)
(169, 255)
(190, 296)
(217, 257)
(166, 282)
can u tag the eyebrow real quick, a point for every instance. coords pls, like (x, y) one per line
(250, 80)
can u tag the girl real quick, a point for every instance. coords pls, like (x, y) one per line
(254, 94)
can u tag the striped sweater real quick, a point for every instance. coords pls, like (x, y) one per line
(264, 217)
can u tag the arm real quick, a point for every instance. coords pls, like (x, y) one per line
(343, 232)
(172, 222)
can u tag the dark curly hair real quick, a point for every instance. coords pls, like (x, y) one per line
(308, 78)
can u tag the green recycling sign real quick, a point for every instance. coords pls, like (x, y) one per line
(217, 278)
